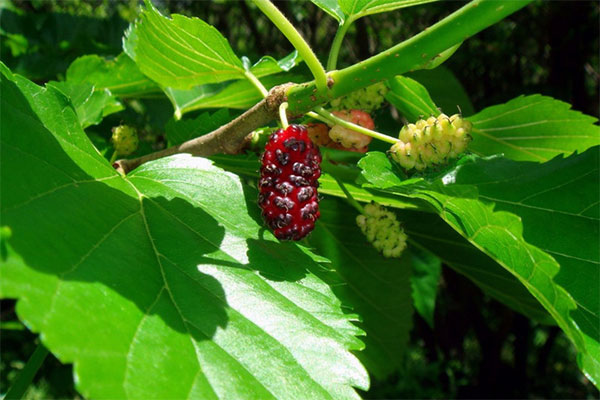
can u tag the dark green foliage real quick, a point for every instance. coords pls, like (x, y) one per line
(477, 323)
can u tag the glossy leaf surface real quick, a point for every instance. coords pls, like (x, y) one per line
(164, 276)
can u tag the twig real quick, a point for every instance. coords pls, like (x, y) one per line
(228, 139)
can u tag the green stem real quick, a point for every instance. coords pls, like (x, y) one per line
(297, 41)
(349, 196)
(412, 54)
(12, 326)
(354, 127)
(114, 156)
(19, 387)
(257, 84)
(337, 43)
(283, 115)
(321, 118)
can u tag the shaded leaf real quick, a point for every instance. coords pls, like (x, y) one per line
(533, 128)
(237, 95)
(430, 232)
(180, 131)
(458, 197)
(54, 40)
(377, 288)
(445, 90)
(424, 281)
(410, 98)
(166, 284)
(558, 204)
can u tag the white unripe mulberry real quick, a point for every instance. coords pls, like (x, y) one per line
(348, 138)
(382, 229)
(125, 139)
(367, 99)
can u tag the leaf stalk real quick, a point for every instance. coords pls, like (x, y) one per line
(337, 44)
(285, 26)
(257, 83)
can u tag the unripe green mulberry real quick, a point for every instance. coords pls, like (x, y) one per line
(431, 141)
(125, 139)
(382, 229)
(367, 99)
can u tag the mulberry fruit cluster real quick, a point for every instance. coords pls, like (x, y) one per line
(289, 173)
(342, 138)
(382, 229)
(431, 141)
(125, 139)
(368, 99)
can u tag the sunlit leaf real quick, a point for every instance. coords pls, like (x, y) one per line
(533, 128)
(120, 75)
(164, 283)
(332, 8)
(91, 105)
(180, 52)
(359, 8)
(267, 65)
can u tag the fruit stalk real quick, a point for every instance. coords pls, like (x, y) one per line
(346, 124)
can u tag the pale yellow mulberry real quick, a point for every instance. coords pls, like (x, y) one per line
(382, 229)
(431, 141)
(125, 139)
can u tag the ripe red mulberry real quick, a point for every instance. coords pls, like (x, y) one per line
(288, 183)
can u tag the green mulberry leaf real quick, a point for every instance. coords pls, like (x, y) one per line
(164, 283)
(180, 52)
(533, 128)
(538, 221)
(377, 288)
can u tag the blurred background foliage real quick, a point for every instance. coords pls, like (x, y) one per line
(477, 347)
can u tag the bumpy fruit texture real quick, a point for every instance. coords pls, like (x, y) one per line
(319, 134)
(125, 139)
(382, 229)
(289, 173)
(348, 138)
(431, 141)
(368, 99)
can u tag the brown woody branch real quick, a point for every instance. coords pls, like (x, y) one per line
(228, 139)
